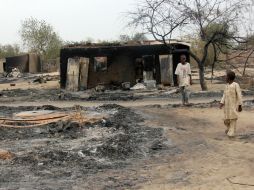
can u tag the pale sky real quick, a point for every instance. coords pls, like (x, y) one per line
(73, 20)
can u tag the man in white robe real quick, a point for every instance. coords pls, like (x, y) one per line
(232, 103)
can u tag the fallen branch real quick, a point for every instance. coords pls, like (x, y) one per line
(30, 123)
(33, 120)
(235, 183)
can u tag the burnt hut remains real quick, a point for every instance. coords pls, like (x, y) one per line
(87, 66)
(27, 63)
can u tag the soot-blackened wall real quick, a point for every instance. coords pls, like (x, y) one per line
(121, 61)
(120, 68)
(25, 63)
(20, 62)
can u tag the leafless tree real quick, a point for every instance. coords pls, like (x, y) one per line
(159, 18)
(243, 52)
(247, 59)
(215, 21)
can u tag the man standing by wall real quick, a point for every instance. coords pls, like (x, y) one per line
(184, 80)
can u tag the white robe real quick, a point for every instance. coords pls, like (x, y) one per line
(231, 99)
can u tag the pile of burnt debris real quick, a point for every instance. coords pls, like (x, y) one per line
(45, 78)
(16, 75)
(10, 95)
(75, 149)
(32, 95)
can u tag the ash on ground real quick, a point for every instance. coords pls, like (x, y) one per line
(60, 154)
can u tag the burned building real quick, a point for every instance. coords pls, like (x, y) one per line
(27, 63)
(2, 62)
(86, 66)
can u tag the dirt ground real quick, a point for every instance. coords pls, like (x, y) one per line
(208, 159)
(148, 141)
(174, 148)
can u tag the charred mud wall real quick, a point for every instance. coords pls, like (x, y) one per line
(121, 61)
(20, 62)
(34, 63)
(120, 68)
(25, 63)
(158, 70)
(2, 61)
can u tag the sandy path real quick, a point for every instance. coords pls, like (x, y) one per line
(208, 157)
(137, 103)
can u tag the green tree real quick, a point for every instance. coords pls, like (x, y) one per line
(220, 45)
(40, 37)
(139, 37)
(132, 38)
(9, 50)
(124, 38)
(197, 45)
